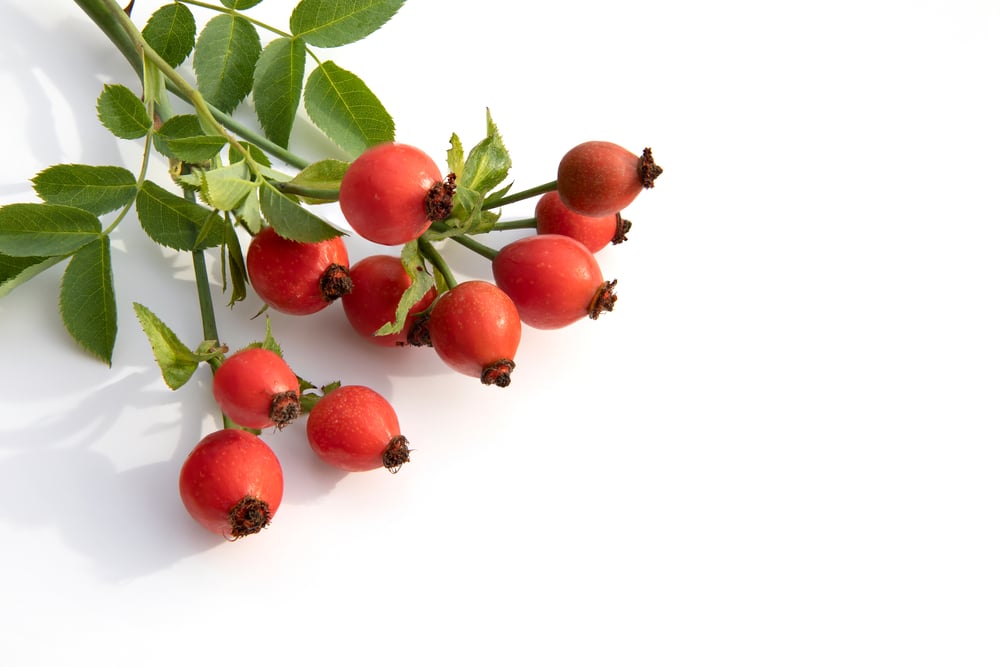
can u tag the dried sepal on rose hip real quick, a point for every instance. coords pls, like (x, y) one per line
(256, 388)
(553, 280)
(297, 278)
(392, 192)
(475, 329)
(231, 483)
(354, 428)
(598, 178)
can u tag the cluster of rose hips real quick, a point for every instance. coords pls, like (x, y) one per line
(392, 194)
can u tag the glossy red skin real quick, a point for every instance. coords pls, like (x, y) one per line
(554, 217)
(222, 469)
(474, 325)
(598, 178)
(379, 282)
(286, 274)
(351, 427)
(551, 278)
(383, 192)
(245, 383)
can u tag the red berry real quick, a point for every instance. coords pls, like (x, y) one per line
(297, 278)
(475, 329)
(379, 282)
(355, 428)
(392, 192)
(554, 280)
(599, 178)
(256, 389)
(553, 217)
(231, 483)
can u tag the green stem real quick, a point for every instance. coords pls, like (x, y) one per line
(233, 12)
(428, 250)
(526, 194)
(324, 194)
(475, 246)
(208, 326)
(508, 225)
(121, 31)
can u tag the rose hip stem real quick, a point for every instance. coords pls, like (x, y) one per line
(520, 196)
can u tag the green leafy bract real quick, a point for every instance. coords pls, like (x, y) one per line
(346, 110)
(87, 299)
(328, 23)
(277, 87)
(421, 282)
(227, 187)
(488, 163)
(325, 175)
(45, 230)
(236, 275)
(122, 112)
(171, 31)
(97, 189)
(225, 55)
(175, 222)
(291, 220)
(176, 360)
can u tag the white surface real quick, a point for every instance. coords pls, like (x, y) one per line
(780, 449)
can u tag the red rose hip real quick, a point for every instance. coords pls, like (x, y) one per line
(355, 428)
(552, 216)
(475, 329)
(553, 280)
(392, 192)
(599, 178)
(379, 282)
(257, 389)
(297, 278)
(231, 483)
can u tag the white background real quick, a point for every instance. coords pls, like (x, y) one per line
(780, 448)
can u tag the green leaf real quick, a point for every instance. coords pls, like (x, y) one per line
(16, 271)
(291, 220)
(87, 299)
(322, 175)
(176, 360)
(225, 55)
(328, 23)
(171, 30)
(122, 112)
(421, 282)
(32, 229)
(237, 272)
(488, 163)
(175, 222)
(200, 148)
(95, 189)
(258, 155)
(176, 127)
(456, 157)
(241, 4)
(225, 188)
(277, 87)
(342, 106)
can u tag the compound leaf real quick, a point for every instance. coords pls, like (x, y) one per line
(277, 87)
(97, 189)
(291, 220)
(328, 23)
(346, 110)
(225, 55)
(122, 112)
(175, 222)
(171, 31)
(32, 229)
(87, 299)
